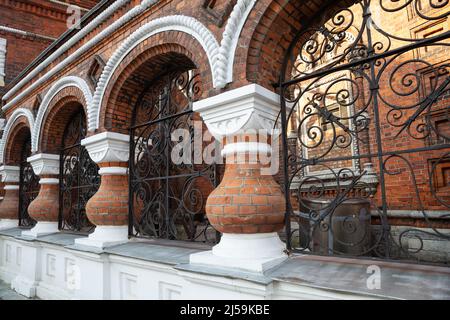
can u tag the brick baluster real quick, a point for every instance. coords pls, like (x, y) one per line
(248, 206)
(45, 208)
(108, 208)
(9, 207)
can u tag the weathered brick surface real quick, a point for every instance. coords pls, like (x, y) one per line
(246, 201)
(46, 205)
(9, 207)
(109, 206)
(267, 33)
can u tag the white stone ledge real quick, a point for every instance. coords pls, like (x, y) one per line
(137, 271)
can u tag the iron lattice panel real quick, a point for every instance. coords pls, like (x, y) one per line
(365, 121)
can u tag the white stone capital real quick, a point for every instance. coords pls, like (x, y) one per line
(45, 164)
(251, 107)
(10, 174)
(108, 147)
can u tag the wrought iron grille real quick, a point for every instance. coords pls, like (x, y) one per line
(365, 121)
(28, 188)
(79, 178)
(168, 198)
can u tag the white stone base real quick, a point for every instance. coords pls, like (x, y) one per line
(24, 286)
(105, 236)
(8, 224)
(250, 252)
(41, 228)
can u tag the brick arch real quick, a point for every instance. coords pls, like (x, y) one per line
(185, 31)
(66, 86)
(18, 136)
(63, 106)
(20, 123)
(268, 33)
(162, 51)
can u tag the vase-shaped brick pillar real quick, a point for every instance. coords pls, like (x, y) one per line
(108, 208)
(9, 207)
(248, 206)
(45, 208)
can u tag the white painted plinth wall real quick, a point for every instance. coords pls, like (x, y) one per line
(50, 271)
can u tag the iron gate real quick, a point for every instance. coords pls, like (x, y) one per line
(167, 199)
(28, 187)
(79, 178)
(365, 122)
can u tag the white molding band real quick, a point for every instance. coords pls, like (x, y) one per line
(230, 40)
(11, 187)
(113, 171)
(21, 112)
(246, 148)
(70, 81)
(181, 23)
(74, 56)
(48, 181)
(3, 43)
(25, 33)
(108, 147)
(221, 57)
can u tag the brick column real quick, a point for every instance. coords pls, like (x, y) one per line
(248, 206)
(9, 207)
(45, 208)
(108, 208)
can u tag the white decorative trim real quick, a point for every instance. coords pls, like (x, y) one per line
(181, 23)
(2, 61)
(230, 40)
(246, 147)
(25, 33)
(74, 56)
(48, 181)
(70, 81)
(44, 164)
(21, 112)
(11, 187)
(113, 171)
(221, 57)
(108, 147)
(251, 107)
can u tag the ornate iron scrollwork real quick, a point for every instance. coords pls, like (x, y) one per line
(357, 94)
(29, 186)
(168, 199)
(79, 178)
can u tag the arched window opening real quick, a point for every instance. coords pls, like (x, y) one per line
(79, 178)
(28, 187)
(364, 112)
(168, 188)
